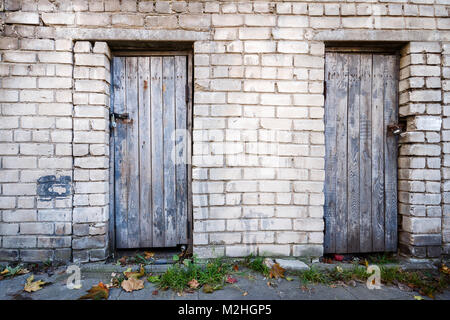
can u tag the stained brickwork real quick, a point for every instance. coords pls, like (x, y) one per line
(258, 127)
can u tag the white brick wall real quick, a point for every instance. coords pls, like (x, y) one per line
(420, 151)
(258, 131)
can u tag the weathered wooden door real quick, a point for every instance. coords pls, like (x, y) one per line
(150, 150)
(361, 153)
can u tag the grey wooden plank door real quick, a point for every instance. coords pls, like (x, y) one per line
(150, 167)
(360, 153)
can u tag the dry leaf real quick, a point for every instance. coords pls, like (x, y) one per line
(403, 287)
(148, 254)
(132, 284)
(193, 284)
(4, 272)
(31, 286)
(445, 269)
(418, 297)
(136, 275)
(208, 288)
(276, 271)
(235, 267)
(230, 280)
(123, 260)
(97, 292)
(245, 293)
(289, 279)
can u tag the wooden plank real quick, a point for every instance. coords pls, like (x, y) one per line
(353, 197)
(390, 171)
(120, 154)
(145, 154)
(365, 163)
(133, 151)
(341, 96)
(330, 152)
(378, 153)
(181, 140)
(190, 93)
(170, 201)
(157, 152)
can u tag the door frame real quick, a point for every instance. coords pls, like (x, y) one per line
(190, 95)
(390, 48)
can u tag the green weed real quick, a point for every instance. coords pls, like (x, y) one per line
(177, 276)
(256, 264)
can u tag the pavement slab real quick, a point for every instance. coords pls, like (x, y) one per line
(249, 286)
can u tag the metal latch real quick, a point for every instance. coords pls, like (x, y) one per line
(118, 116)
(395, 128)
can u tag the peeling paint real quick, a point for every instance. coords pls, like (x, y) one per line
(50, 187)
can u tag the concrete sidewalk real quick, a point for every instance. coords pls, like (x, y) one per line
(254, 284)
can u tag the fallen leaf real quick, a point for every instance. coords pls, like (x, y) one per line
(97, 292)
(136, 275)
(276, 271)
(403, 287)
(148, 254)
(123, 260)
(341, 283)
(230, 280)
(339, 269)
(155, 293)
(208, 288)
(418, 297)
(327, 260)
(245, 293)
(132, 284)
(4, 272)
(289, 279)
(338, 257)
(32, 286)
(235, 267)
(352, 283)
(445, 269)
(193, 284)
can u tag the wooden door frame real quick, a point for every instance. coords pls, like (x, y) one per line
(387, 48)
(189, 105)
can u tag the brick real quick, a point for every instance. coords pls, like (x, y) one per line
(59, 18)
(19, 17)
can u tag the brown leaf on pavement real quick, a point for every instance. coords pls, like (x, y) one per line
(148, 254)
(276, 271)
(32, 286)
(97, 292)
(123, 260)
(208, 288)
(132, 284)
(136, 275)
(193, 284)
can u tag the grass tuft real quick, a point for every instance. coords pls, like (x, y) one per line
(256, 264)
(213, 273)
